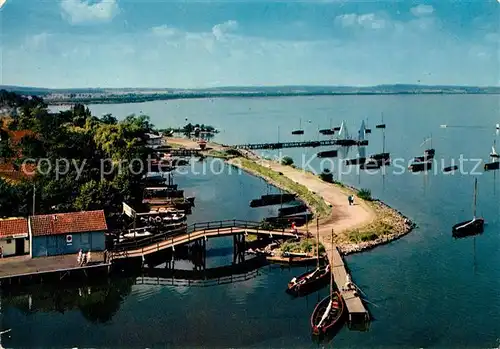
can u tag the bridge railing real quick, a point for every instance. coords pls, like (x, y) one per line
(188, 230)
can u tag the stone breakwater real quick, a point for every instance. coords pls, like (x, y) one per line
(401, 225)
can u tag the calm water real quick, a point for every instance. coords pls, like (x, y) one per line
(427, 289)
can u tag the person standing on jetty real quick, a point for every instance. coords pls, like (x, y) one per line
(79, 257)
(88, 257)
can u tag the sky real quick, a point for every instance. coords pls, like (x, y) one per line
(197, 44)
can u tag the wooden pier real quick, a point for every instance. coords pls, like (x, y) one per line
(168, 240)
(355, 307)
(18, 270)
(305, 144)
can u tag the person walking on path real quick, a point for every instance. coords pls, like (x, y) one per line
(89, 259)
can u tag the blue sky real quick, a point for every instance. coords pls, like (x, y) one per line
(170, 43)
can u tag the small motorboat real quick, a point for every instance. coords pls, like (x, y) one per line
(327, 154)
(310, 281)
(131, 235)
(450, 169)
(380, 126)
(471, 227)
(327, 314)
(337, 128)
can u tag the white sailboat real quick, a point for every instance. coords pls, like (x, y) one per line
(343, 133)
(362, 131)
(494, 153)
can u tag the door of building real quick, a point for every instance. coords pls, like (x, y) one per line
(19, 246)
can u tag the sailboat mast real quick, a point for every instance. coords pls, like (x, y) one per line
(317, 241)
(475, 198)
(331, 276)
(383, 140)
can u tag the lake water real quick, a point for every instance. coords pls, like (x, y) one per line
(426, 290)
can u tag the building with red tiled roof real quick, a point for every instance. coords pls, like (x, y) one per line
(14, 236)
(66, 233)
(10, 173)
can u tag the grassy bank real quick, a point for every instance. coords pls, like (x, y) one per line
(314, 201)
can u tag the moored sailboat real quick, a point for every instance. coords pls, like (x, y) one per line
(471, 227)
(328, 312)
(310, 281)
(300, 131)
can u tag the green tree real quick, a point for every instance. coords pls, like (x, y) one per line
(287, 161)
(6, 150)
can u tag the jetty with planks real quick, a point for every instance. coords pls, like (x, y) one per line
(354, 304)
(304, 144)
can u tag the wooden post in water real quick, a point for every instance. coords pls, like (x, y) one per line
(317, 242)
(331, 272)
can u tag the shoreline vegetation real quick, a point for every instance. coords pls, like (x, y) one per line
(373, 224)
(139, 95)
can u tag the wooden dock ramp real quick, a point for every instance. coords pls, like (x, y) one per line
(355, 307)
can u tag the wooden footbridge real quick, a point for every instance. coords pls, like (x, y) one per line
(305, 144)
(168, 240)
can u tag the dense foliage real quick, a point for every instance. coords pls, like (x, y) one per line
(287, 161)
(81, 155)
(365, 194)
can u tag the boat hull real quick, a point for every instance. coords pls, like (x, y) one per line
(492, 166)
(334, 317)
(327, 154)
(309, 286)
(420, 166)
(450, 169)
(468, 228)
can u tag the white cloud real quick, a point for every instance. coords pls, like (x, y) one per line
(166, 31)
(221, 30)
(366, 21)
(422, 10)
(81, 11)
(37, 41)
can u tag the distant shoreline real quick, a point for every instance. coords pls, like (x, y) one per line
(61, 96)
(150, 98)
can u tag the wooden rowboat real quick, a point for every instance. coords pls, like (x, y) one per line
(310, 281)
(327, 314)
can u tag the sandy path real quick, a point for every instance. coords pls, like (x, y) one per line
(343, 216)
(192, 143)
